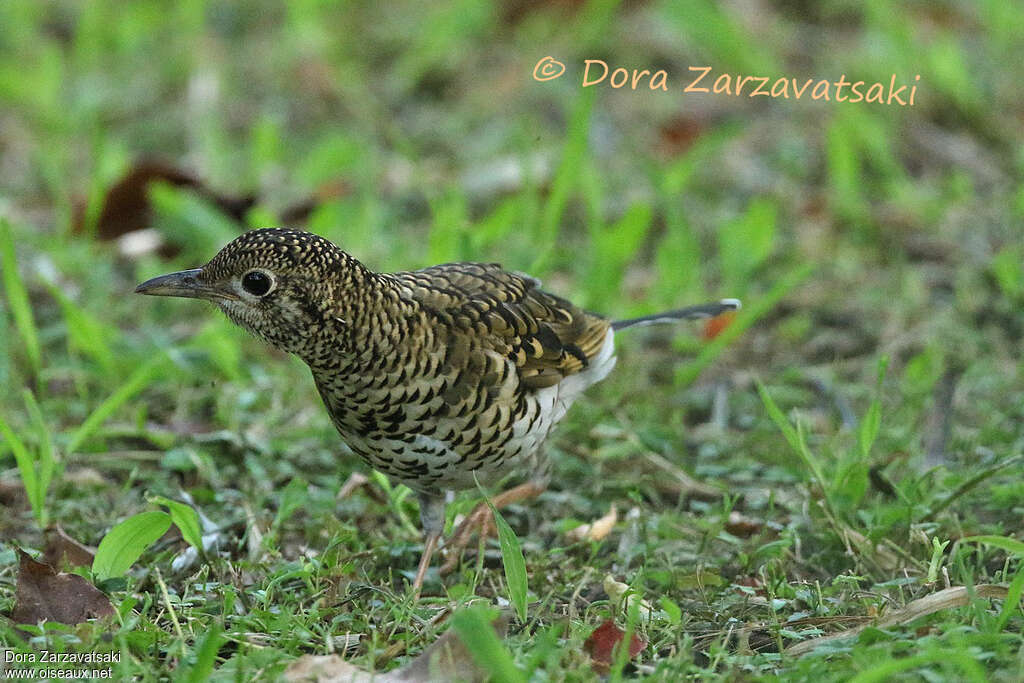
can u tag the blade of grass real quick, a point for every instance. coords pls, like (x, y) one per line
(206, 656)
(869, 426)
(17, 298)
(46, 461)
(1012, 602)
(750, 314)
(512, 559)
(138, 381)
(795, 438)
(967, 486)
(546, 230)
(26, 466)
(1010, 545)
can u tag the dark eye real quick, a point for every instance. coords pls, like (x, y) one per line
(256, 282)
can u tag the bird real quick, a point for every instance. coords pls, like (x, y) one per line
(444, 379)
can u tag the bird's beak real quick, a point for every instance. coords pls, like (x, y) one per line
(184, 283)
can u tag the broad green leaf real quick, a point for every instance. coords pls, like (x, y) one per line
(185, 518)
(126, 542)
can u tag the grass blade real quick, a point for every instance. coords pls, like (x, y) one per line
(26, 466)
(206, 656)
(512, 559)
(138, 381)
(17, 297)
(748, 316)
(46, 462)
(1010, 545)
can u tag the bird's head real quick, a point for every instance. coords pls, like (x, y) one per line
(283, 286)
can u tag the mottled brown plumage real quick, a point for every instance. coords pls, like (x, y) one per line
(439, 378)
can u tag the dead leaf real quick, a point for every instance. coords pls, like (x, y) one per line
(680, 133)
(625, 597)
(958, 596)
(742, 526)
(12, 492)
(43, 594)
(126, 206)
(85, 477)
(64, 552)
(601, 646)
(447, 659)
(596, 530)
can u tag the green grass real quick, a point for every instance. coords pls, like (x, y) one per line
(774, 484)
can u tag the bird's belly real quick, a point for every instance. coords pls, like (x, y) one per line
(426, 434)
(456, 452)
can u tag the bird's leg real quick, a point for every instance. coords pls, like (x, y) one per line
(432, 519)
(481, 519)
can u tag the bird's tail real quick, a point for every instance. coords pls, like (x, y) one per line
(688, 313)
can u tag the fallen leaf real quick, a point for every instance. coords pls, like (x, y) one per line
(43, 594)
(601, 645)
(740, 525)
(64, 552)
(12, 493)
(596, 530)
(447, 659)
(624, 596)
(85, 477)
(680, 133)
(126, 206)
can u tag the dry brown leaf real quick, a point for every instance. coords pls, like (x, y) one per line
(958, 596)
(625, 597)
(742, 526)
(64, 552)
(447, 659)
(85, 477)
(596, 530)
(601, 646)
(43, 594)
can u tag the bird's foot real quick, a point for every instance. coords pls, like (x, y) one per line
(481, 520)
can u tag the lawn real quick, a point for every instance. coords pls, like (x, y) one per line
(827, 486)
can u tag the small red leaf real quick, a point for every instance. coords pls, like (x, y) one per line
(601, 645)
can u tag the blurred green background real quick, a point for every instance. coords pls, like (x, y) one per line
(138, 138)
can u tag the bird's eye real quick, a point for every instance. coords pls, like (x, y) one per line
(256, 282)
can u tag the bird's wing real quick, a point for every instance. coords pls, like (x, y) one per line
(547, 337)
